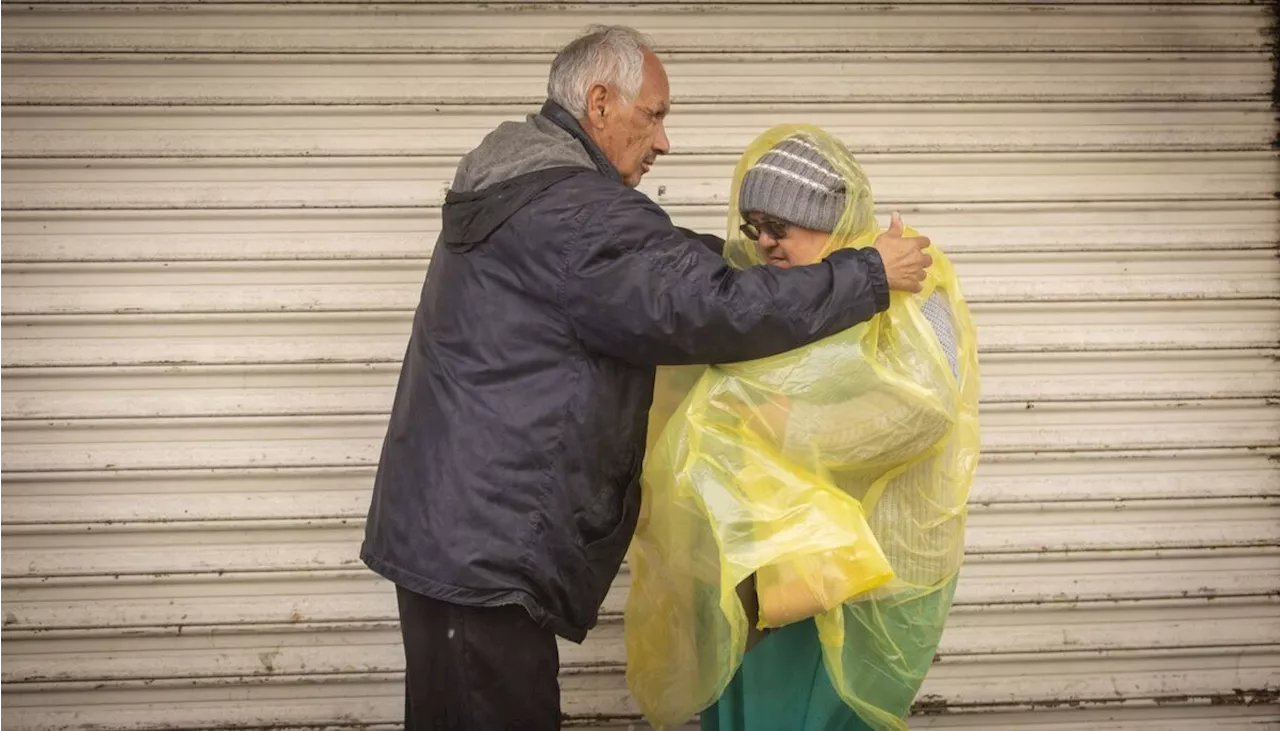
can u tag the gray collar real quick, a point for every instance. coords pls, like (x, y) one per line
(561, 117)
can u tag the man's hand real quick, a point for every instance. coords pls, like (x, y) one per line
(904, 258)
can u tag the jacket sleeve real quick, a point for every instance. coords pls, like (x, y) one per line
(715, 243)
(639, 290)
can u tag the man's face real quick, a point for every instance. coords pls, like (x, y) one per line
(632, 135)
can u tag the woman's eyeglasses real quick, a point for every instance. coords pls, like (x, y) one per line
(777, 230)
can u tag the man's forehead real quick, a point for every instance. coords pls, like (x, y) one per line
(655, 81)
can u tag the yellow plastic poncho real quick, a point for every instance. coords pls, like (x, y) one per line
(837, 473)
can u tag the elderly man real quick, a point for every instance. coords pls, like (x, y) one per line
(508, 487)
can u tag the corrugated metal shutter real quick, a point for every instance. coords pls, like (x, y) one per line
(217, 216)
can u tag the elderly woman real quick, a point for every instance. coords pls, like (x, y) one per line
(803, 515)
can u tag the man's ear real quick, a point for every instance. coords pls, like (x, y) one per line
(597, 104)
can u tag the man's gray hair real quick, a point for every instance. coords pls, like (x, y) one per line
(612, 55)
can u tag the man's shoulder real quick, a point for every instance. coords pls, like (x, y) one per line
(613, 203)
(590, 187)
(596, 201)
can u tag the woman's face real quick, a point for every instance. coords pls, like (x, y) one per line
(782, 244)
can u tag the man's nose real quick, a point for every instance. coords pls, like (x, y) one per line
(661, 144)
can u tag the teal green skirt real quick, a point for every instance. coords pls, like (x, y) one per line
(783, 684)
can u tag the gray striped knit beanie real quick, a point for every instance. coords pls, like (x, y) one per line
(794, 182)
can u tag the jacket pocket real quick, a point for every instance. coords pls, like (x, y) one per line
(617, 536)
(603, 515)
(603, 557)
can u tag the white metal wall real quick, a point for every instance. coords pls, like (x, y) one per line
(217, 218)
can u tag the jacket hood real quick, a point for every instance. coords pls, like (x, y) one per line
(514, 163)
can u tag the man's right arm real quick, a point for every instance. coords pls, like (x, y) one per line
(639, 290)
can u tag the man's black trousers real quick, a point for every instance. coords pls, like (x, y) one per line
(477, 668)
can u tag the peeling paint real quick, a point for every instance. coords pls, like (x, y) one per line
(935, 705)
(1254, 697)
(268, 660)
(1272, 33)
